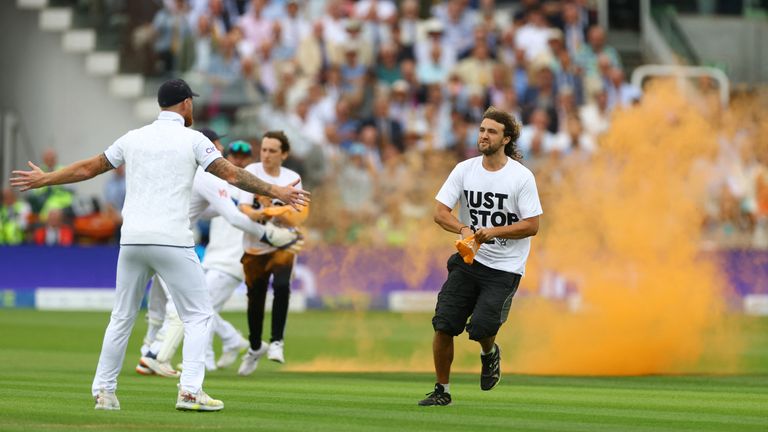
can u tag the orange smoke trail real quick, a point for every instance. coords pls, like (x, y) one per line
(626, 225)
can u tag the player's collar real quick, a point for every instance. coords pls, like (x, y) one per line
(172, 116)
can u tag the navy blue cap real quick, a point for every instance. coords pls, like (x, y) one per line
(211, 134)
(173, 91)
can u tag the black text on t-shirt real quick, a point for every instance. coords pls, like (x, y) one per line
(487, 208)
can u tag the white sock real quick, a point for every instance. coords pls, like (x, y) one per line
(446, 388)
(493, 350)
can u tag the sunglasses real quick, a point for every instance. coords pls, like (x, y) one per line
(240, 147)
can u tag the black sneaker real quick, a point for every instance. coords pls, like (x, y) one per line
(437, 397)
(491, 372)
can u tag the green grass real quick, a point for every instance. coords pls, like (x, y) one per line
(49, 358)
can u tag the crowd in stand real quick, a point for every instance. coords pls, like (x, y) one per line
(378, 97)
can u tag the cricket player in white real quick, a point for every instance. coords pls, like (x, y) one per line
(211, 196)
(161, 159)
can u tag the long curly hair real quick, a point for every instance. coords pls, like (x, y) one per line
(511, 129)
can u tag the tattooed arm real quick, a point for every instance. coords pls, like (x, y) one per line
(246, 181)
(76, 172)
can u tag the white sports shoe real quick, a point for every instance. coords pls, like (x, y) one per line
(162, 369)
(143, 370)
(279, 237)
(251, 360)
(199, 401)
(275, 352)
(106, 401)
(229, 357)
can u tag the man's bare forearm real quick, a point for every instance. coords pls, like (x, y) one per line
(250, 183)
(240, 178)
(78, 171)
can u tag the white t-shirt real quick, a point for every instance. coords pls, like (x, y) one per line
(494, 198)
(252, 244)
(160, 163)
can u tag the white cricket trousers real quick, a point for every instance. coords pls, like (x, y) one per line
(181, 270)
(221, 285)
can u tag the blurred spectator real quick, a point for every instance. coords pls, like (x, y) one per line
(433, 71)
(541, 94)
(333, 23)
(347, 126)
(294, 27)
(619, 92)
(566, 108)
(532, 37)
(408, 24)
(55, 232)
(568, 74)
(521, 11)
(476, 70)
(520, 72)
(352, 71)
(535, 138)
(304, 131)
(588, 55)
(257, 30)
(573, 140)
(505, 51)
(220, 19)
(573, 27)
(491, 21)
(595, 116)
(173, 37)
(435, 37)
(387, 68)
(356, 189)
(224, 68)
(312, 55)
(204, 44)
(354, 37)
(14, 218)
(376, 16)
(457, 23)
(389, 130)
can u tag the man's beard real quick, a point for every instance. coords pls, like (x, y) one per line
(490, 149)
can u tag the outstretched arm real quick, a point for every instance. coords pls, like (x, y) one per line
(246, 181)
(76, 172)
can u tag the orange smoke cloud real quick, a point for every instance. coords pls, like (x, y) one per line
(626, 226)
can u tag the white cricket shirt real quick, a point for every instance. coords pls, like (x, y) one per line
(494, 198)
(252, 244)
(160, 163)
(224, 249)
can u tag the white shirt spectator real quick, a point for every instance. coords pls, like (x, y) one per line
(533, 39)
